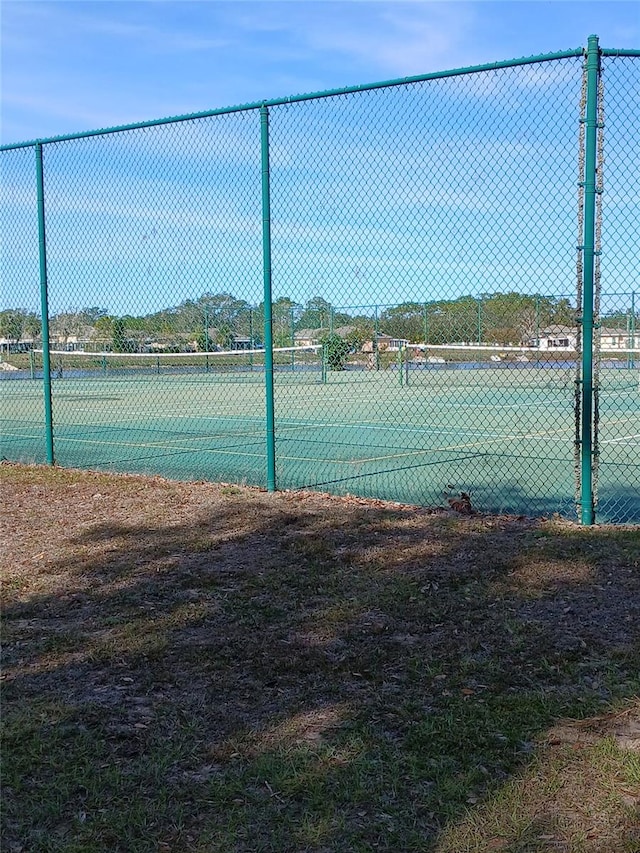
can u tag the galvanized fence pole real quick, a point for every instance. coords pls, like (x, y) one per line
(588, 248)
(268, 313)
(44, 307)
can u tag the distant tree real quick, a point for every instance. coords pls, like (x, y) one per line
(285, 313)
(316, 315)
(11, 325)
(337, 350)
(404, 321)
(119, 335)
(204, 341)
(356, 338)
(225, 336)
(93, 314)
(104, 326)
(32, 325)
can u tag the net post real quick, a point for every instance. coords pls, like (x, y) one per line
(44, 307)
(268, 313)
(32, 371)
(587, 514)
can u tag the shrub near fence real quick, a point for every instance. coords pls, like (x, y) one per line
(406, 290)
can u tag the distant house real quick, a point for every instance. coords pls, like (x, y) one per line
(308, 337)
(397, 344)
(240, 343)
(564, 338)
(80, 339)
(312, 337)
(10, 345)
(554, 338)
(616, 339)
(381, 343)
(72, 343)
(385, 343)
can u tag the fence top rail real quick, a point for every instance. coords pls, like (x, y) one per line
(328, 93)
(612, 51)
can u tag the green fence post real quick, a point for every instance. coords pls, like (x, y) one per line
(44, 307)
(632, 331)
(251, 341)
(537, 331)
(206, 338)
(588, 249)
(325, 360)
(376, 332)
(268, 314)
(293, 340)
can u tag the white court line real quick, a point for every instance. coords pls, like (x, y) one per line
(301, 404)
(446, 448)
(223, 450)
(430, 430)
(427, 430)
(158, 446)
(313, 459)
(164, 442)
(621, 438)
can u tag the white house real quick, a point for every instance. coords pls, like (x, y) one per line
(619, 339)
(556, 337)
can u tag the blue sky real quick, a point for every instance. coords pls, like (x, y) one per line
(69, 66)
(464, 185)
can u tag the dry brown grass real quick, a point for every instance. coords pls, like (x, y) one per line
(200, 667)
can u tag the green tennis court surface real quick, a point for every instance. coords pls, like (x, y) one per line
(504, 436)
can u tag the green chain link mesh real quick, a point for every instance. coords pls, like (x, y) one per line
(424, 294)
(619, 334)
(432, 231)
(21, 403)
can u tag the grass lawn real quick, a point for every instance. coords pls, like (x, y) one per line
(197, 667)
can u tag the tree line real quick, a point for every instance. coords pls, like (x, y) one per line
(216, 321)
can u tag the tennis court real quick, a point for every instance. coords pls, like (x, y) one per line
(417, 434)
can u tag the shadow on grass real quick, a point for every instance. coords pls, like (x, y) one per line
(303, 675)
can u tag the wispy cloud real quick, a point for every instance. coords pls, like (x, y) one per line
(404, 38)
(71, 65)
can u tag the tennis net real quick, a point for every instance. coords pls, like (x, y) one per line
(242, 365)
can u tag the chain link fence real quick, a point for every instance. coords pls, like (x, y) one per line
(618, 339)
(374, 291)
